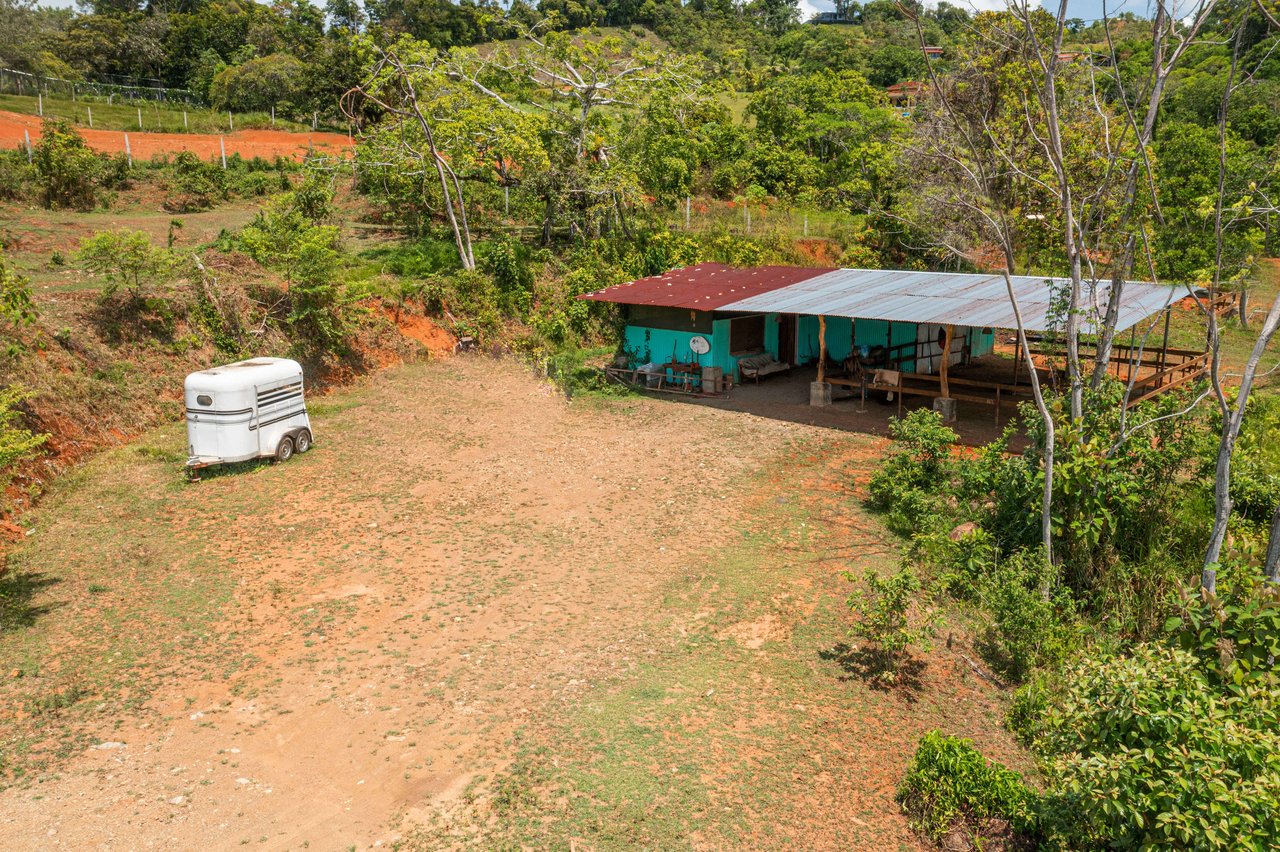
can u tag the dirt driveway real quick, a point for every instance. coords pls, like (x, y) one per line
(354, 648)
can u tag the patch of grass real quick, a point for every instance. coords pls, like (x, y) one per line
(711, 738)
(109, 526)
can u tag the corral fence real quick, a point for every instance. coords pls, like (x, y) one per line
(14, 82)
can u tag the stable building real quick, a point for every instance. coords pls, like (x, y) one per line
(705, 327)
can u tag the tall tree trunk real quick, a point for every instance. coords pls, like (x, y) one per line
(1232, 420)
(1046, 499)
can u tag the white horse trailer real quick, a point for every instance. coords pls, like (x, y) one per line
(247, 410)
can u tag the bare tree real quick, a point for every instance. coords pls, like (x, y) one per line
(1232, 411)
(393, 85)
(580, 84)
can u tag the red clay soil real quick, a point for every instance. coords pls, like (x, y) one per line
(247, 143)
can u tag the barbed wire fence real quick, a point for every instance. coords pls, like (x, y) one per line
(23, 83)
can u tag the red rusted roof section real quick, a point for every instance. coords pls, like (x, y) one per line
(704, 287)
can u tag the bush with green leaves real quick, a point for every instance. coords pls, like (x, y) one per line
(196, 184)
(1235, 631)
(67, 171)
(16, 175)
(283, 238)
(506, 262)
(16, 305)
(909, 484)
(1146, 751)
(16, 441)
(1031, 618)
(127, 259)
(887, 613)
(950, 785)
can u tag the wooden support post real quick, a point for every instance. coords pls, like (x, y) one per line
(822, 348)
(90, 117)
(1133, 347)
(1164, 347)
(128, 152)
(949, 332)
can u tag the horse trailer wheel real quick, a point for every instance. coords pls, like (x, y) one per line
(302, 441)
(284, 452)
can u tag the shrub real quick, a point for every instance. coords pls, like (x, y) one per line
(1146, 752)
(16, 442)
(506, 264)
(16, 175)
(197, 185)
(284, 238)
(886, 614)
(16, 306)
(1032, 618)
(1235, 633)
(907, 484)
(949, 785)
(126, 258)
(67, 170)
(963, 561)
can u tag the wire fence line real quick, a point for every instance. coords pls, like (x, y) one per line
(15, 82)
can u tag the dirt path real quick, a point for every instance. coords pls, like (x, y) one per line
(267, 144)
(468, 583)
(461, 550)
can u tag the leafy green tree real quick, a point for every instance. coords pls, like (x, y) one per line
(841, 124)
(586, 91)
(286, 238)
(259, 84)
(1187, 181)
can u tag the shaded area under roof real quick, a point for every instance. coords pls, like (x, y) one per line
(704, 287)
(977, 300)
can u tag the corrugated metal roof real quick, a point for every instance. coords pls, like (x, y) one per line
(977, 300)
(704, 287)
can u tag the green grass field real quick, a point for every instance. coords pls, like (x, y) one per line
(154, 118)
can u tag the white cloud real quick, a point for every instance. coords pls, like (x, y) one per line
(808, 10)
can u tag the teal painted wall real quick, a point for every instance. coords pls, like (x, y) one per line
(869, 332)
(656, 345)
(720, 345)
(981, 344)
(839, 338)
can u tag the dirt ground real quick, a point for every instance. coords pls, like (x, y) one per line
(267, 144)
(446, 623)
